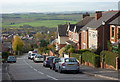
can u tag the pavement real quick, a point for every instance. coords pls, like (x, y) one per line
(99, 72)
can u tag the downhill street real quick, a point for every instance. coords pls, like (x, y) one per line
(25, 69)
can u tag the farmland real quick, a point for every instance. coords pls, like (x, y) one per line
(39, 19)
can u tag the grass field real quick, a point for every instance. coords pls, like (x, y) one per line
(46, 23)
(39, 19)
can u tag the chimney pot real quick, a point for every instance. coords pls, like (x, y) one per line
(98, 14)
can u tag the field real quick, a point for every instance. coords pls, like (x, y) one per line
(39, 19)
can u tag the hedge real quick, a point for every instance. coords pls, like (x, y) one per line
(91, 58)
(109, 57)
(75, 55)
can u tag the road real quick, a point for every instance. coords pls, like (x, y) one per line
(25, 69)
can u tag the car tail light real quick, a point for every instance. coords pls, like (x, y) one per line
(63, 64)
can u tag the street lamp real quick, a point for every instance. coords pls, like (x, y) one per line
(103, 23)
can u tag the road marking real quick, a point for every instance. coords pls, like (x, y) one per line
(52, 77)
(40, 71)
(8, 73)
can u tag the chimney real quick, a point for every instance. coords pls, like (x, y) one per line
(85, 15)
(98, 14)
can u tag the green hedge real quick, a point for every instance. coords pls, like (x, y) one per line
(91, 58)
(76, 55)
(109, 57)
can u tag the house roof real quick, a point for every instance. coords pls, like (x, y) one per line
(71, 28)
(107, 17)
(116, 21)
(62, 30)
(83, 22)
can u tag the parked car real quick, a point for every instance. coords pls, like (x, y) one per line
(47, 61)
(29, 55)
(11, 59)
(33, 55)
(67, 64)
(38, 58)
(52, 64)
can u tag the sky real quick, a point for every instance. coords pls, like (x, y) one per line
(21, 6)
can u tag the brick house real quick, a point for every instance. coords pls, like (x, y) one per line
(94, 32)
(62, 36)
(74, 31)
(114, 30)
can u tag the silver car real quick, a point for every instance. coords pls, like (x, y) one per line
(67, 64)
(33, 55)
(38, 58)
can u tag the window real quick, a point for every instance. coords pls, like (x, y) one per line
(113, 32)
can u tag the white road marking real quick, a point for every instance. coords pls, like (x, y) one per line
(39, 71)
(8, 74)
(52, 77)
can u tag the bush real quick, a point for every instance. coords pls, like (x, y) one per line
(82, 51)
(91, 58)
(76, 55)
(109, 57)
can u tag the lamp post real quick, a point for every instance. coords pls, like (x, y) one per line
(103, 24)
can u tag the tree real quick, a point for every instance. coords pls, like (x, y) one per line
(17, 44)
(69, 49)
(38, 36)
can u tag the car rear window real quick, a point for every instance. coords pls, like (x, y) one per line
(50, 58)
(33, 54)
(40, 56)
(70, 60)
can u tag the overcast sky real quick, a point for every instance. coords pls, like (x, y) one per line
(18, 6)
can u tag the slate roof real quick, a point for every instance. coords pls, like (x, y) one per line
(85, 21)
(106, 17)
(82, 23)
(116, 21)
(62, 30)
(72, 27)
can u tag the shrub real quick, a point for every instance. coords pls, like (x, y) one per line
(82, 51)
(91, 58)
(109, 57)
(76, 55)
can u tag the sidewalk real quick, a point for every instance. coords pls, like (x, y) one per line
(98, 72)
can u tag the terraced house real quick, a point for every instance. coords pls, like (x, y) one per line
(99, 29)
(91, 32)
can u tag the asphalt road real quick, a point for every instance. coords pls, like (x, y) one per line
(25, 69)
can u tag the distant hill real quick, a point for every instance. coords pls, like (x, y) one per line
(50, 20)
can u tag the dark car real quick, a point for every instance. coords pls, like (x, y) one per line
(48, 60)
(11, 59)
(52, 64)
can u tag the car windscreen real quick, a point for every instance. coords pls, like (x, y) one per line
(70, 60)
